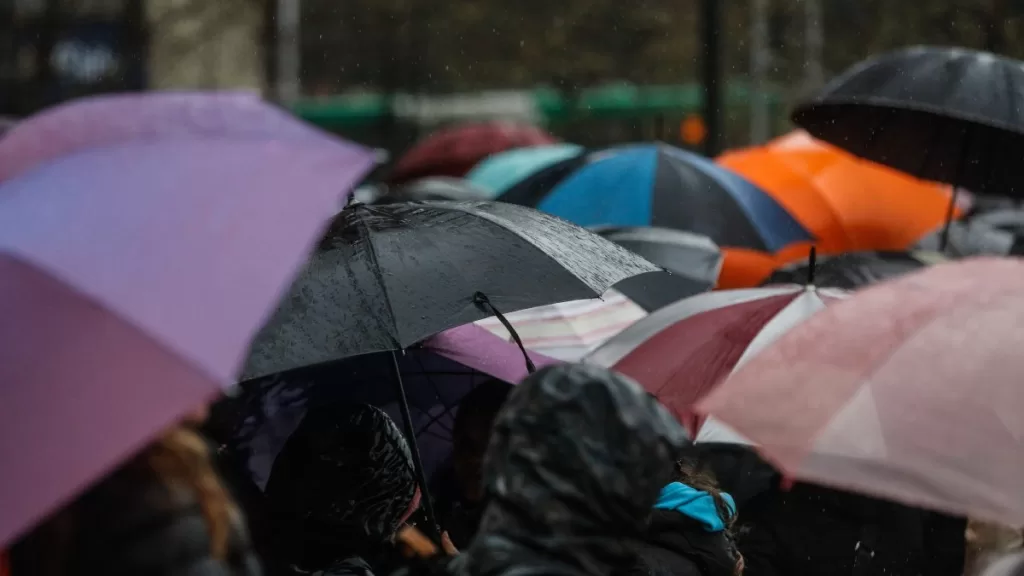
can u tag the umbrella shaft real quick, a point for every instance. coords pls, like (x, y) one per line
(410, 431)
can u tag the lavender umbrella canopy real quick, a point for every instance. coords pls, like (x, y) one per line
(437, 374)
(132, 277)
(120, 119)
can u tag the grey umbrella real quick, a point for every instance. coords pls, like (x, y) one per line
(995, 233)
(691, 262)
(386, 277)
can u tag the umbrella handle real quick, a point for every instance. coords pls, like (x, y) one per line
(482, 302)
(410, 431)
(944, 238)
(812, 263)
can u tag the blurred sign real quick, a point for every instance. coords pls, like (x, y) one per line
(89, 56)
(692, 130)
(84, 63)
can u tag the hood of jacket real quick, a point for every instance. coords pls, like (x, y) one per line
(576, 462)
(341, 486)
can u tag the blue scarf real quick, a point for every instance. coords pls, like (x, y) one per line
(695, 504)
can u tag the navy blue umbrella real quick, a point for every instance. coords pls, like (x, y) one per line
(659, 185)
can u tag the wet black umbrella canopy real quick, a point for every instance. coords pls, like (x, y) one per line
(946, 114)
(386, 277)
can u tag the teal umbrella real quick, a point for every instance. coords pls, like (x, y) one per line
(499, 172)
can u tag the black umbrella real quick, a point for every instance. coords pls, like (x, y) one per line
(386, 277)
(945, 114)
(435, 188)
(691, 262)
(854, 269)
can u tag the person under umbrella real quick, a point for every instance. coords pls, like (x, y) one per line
(576, 462)
(945, 114)
(254, 422)
(690, 530)
(459, 484)
(163, 512)
(339, 490)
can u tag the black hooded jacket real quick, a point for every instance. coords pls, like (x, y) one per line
(339, 490)
(576, 461)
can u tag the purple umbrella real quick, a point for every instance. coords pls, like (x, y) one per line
(119, 119)
(132, 278)
(436, 374)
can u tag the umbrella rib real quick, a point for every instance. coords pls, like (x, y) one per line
(372, 251)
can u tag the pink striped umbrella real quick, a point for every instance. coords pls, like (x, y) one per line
(567, 331)
(910, 390)
(133, 275)
(680, 352)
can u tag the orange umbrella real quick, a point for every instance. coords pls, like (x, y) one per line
(849, 204)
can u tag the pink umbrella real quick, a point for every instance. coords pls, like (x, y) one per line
(910, 390)
(108, 120)
(131, 279)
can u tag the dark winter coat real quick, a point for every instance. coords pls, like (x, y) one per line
(577, 459)
(339, 490)
(814, 531)
(678, 545)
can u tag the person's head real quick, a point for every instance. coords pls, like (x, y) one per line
(343, 484)
(167, 478)
(472, 432)
(689, 475)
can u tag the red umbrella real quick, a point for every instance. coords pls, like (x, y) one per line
(910, 390)
(455, 150)
(680, 352)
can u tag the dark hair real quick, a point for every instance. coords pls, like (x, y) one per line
(688, 474)
(485, 400)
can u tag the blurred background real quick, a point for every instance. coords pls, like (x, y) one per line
(594, 72)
